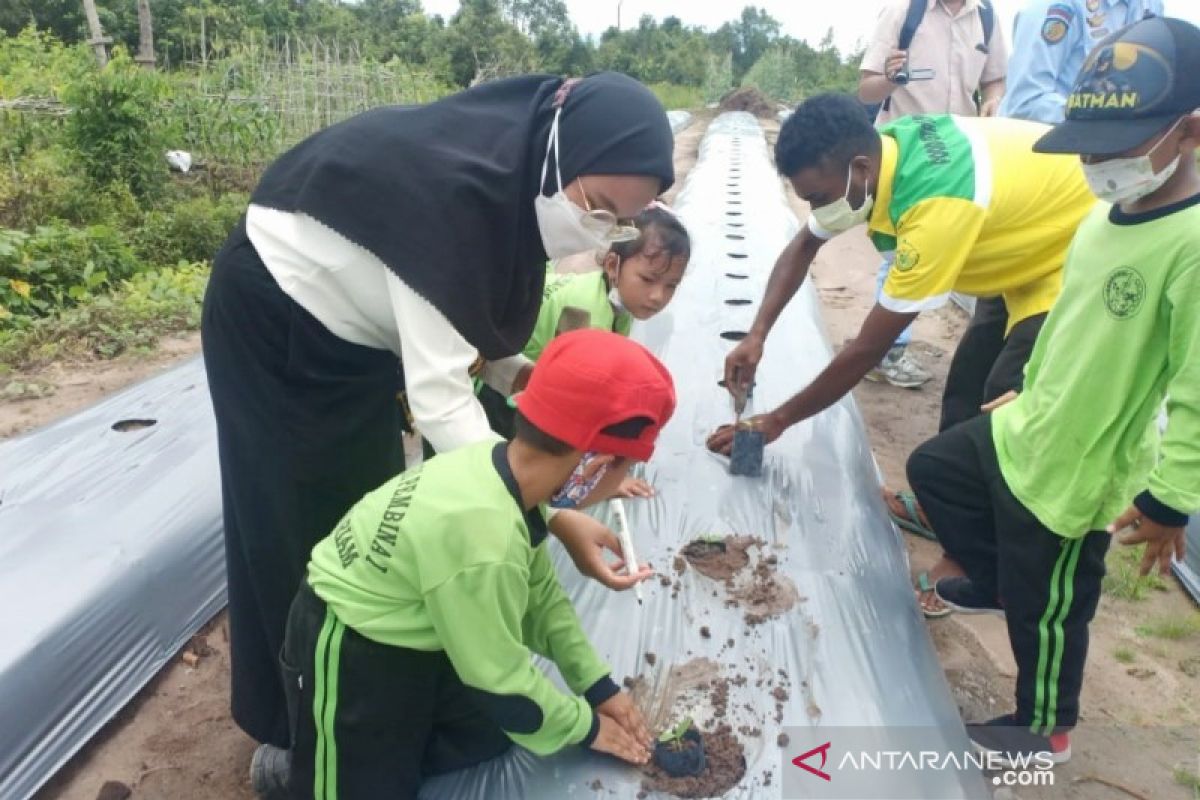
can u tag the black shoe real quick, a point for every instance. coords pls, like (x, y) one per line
(270, 768)
(961, 595)
(1016, 747)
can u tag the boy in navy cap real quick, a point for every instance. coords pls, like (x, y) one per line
(1027, 498)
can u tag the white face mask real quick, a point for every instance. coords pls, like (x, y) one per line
(566, 228)
(614, 295)
(839, 216)
(1127, 180)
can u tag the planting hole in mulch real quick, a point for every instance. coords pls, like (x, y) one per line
(738, 255)
(127, 425)
(735, 224)
(719, 559)
(733, 213)
(737, 276)
(733, 336)
(737, 237)
(738, 301)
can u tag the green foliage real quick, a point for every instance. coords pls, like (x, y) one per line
(1173, 628)
(1121, 579)
(789, 71)
(114, 126)
(672, 95)
(33, 63)
(56, 266)
(718, 77)
(140, 311)
(1124, 655)
(1188, 780)
(192, 230)
(674, 736)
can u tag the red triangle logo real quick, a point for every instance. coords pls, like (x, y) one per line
(818, 771)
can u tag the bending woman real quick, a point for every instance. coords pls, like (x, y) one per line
(400, 251)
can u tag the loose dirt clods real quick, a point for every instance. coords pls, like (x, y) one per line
(783, 740)
(651, 659)
(705, 632)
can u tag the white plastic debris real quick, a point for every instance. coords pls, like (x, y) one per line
(180, 160)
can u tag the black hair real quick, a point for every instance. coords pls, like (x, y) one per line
(535, 437)
(525, 431)
(827, 128)
(669, 238)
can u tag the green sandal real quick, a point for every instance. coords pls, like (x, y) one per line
(911, 521)
(925, 586)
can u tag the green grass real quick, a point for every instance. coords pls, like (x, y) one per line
(1173, 629)
(1124, 655)
(1189, 780)
(1122, 580)
(674, 96)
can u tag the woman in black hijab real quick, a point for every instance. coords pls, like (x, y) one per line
(402, 250)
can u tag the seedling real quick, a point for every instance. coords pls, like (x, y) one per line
(674, 737)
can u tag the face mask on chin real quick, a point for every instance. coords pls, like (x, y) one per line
(578, 485)
(1127, 180)
(567, 229)
(839, 216)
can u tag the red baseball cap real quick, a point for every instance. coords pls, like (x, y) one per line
(588, 380)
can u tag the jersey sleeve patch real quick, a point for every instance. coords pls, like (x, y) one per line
(1057, 23)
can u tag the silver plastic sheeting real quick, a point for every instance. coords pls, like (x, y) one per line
(1189, 569)
(110, 559)
(679, 120)
(854, 650)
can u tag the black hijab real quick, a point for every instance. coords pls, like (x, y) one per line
(443, 193)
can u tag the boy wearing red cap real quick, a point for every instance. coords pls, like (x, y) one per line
(409, 648)
(1027, 498)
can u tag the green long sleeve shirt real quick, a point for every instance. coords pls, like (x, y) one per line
(586, 292)
(1081, 441)
(443, 557)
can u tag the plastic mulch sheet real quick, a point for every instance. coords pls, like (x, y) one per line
(679, 120)
(110, 559)
(1189, 569)
(852, 650)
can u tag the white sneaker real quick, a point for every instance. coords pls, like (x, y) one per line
(899, 368)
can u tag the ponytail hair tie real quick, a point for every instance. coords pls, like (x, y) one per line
(560, 96)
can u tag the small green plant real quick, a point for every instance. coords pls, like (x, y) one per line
(1173, 629)
(672, 95)
(1122, 580)
(1189, 780)
(674, 737)
(1124, 655)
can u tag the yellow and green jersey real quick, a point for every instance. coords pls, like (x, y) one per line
(443, 557)
(965, 205)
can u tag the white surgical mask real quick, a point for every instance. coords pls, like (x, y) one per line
(839, 216)
(1127, 180)
(566, 228)
(614, 296)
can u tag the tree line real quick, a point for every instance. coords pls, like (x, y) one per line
(484, 39)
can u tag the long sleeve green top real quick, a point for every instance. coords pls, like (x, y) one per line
(1081, 441)
(443, 557)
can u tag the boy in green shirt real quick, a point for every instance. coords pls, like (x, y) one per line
(408, 649)
(1027, 498)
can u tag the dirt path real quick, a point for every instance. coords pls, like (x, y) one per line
(1140, 699)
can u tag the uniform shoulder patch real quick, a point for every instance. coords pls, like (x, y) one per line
(1058, 21)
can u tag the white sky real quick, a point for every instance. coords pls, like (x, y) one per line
(851, 20)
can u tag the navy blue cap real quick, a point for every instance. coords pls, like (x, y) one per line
(1133, 85)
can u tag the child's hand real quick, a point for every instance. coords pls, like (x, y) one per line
(635, 487)
(586, 539)
(616, 741)
(1161, 542)
(621, 708)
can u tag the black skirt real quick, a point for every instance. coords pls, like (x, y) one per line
(307, 423)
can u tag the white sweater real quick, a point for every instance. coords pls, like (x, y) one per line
(360, 300)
